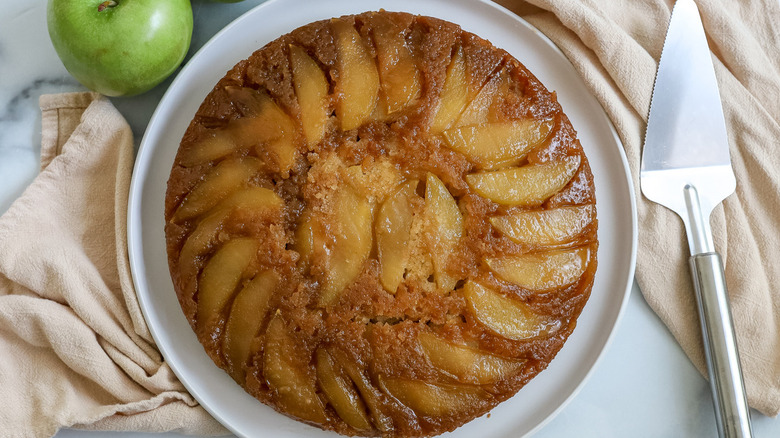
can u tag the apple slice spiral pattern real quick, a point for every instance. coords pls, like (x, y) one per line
(381, 225)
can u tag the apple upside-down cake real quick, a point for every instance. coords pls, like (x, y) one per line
(381, 224)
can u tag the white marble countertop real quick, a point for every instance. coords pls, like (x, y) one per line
(644, 386)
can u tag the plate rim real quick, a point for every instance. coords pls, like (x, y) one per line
(135, 243)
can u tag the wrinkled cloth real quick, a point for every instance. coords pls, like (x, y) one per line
(75, 350)
(615, 46)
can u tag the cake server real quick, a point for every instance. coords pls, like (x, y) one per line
(686, 167)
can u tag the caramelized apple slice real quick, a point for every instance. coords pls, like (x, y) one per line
(370, 394)
(221, 276)
(398, 73)
(262, 123)
(213, 146)
(465, 363)
(284, 153)
(494, 145)
(542, 271)
(263, 120)
(219, 183)
(393, 225)
(508, 317)
(311, 88)
(435, 400)
(307, 235)
(527, 185)
(199, 242)
(375, 181)
(504, 93)
(282, 149)
(265, 126)
(249, 310)
(293, 389)
(544, 227)
(340, 393)
(476, 113)
(248, 101)
(359, 180)
(443, 212)
(259, 201)
(357, 86)
(454, 95)
(352, 242)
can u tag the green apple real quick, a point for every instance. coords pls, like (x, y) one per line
(120, 47)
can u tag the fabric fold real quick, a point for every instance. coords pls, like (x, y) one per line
(74, 348)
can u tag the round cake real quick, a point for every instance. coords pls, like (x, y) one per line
(381, 225)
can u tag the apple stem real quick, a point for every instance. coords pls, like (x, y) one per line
(106, 4)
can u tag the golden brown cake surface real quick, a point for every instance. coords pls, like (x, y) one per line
(381, 225)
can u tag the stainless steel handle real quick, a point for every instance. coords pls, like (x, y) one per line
(720, 347)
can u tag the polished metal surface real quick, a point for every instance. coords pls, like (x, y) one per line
(720, 346)
(686, 167)
(686, 144)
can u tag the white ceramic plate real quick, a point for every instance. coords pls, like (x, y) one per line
(227, 402)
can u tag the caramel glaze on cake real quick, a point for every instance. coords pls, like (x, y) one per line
(381, 225)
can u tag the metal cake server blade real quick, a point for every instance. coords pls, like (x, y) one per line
(686, 167)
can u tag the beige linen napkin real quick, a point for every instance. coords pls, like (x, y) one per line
(615, 46)
(74, 348)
